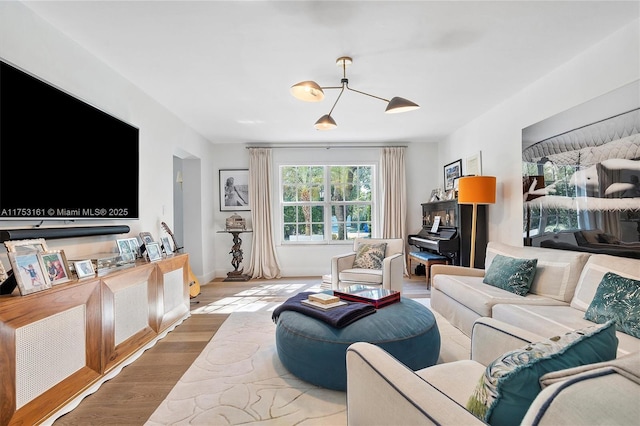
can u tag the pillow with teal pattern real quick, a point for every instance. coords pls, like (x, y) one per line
(617, 298)
(511, 382)
(370, 256)
(511, 274)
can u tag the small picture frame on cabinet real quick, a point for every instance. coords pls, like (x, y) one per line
(84, 268)
(153, 251)
(166, 245)
(434, 196)
(29, 272)
(56, 266)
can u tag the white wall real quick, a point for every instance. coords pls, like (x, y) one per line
(32, 44)
(423, 172)
(606, 66)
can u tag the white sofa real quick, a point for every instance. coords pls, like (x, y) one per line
(382, 391)
(563, 287)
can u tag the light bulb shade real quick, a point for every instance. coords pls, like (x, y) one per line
(477, 190)
(398, 104)
(308, 91)
(325, 123)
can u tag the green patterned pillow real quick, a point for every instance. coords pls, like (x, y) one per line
(617, 298)
(511, 382)
(370, 256)
(511, 274)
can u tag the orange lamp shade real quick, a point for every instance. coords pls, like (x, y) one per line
(477, 190)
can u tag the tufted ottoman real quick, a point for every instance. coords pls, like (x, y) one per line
(315, 352)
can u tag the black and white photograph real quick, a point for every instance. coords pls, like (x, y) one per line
(234, 190)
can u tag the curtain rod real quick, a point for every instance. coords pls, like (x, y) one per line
(326, 146)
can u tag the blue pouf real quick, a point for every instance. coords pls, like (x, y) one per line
(315, 352)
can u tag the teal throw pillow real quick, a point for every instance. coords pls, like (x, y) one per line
(511, 274)
(511, 382)
(617, 298)
(370, 256)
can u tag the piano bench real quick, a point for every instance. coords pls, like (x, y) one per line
(427, 259)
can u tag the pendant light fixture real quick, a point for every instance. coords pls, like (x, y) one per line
(310, 91)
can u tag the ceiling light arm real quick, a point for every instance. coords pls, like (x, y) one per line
(363, 93)
(337, 99)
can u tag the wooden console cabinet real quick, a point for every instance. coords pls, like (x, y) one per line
(61, 344)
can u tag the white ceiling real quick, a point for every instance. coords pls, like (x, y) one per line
(225, 67)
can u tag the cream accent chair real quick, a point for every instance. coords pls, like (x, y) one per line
(390, 276)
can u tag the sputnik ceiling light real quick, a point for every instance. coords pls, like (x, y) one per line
(310, 91)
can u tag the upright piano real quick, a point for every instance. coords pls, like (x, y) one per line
(453, 235)
(444, 242)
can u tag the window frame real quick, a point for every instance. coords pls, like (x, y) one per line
(326, 203)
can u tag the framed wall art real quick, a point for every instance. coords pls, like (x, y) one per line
(29, 272)
(56, 266)
(473, 165)
(84, 268)
(234, 190)
(451, 172)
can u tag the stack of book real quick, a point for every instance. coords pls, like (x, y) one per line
(323, 301)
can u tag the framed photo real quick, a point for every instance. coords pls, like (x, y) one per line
(166, 244)
(153, 251)
(474, 165)
(124, 246)
(37, 244)
(234, 190)
(84, 268)
(29, 272)
(146, 238)
(434, 196)
(134, 245)
(452, 171)
(56, 266)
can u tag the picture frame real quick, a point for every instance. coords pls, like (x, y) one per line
(37, 244)
(166, 245)
(434, 195)
(134, 245)
(450, 194)
(56, 266)
(234, 190)
(154, 252)
(84, 268)
(146, 238)
(29, 272)
(452, 171)
(124, 246)
(473, 166)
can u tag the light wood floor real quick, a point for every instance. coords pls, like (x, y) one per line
(132, 396)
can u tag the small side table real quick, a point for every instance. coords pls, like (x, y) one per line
(236, 253)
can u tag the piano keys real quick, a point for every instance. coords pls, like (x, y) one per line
(444, 242)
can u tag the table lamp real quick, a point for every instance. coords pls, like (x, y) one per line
(476, 190)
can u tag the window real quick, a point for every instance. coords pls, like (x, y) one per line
(326, 203)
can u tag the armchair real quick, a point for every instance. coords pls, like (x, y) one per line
(343, 274)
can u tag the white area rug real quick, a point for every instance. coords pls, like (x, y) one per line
(239, 380)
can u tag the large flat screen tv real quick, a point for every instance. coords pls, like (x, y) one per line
(61, 158)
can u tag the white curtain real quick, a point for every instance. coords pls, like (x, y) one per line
(264, 262)
(394, 193)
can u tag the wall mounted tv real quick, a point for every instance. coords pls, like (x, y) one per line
(61, 158)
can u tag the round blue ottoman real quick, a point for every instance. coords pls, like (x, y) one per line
(315, 352)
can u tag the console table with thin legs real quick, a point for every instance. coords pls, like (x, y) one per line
(236, 256)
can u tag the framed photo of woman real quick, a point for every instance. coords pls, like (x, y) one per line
(234, 190)
(56, 266)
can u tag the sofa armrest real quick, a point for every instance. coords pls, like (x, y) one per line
(383, 391)
(491, 338)
(340, 263)
(455, 270)
(393, 270)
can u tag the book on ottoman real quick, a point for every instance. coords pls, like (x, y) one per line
(378, 297)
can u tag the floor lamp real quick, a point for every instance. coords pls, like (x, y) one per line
(476, 190)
